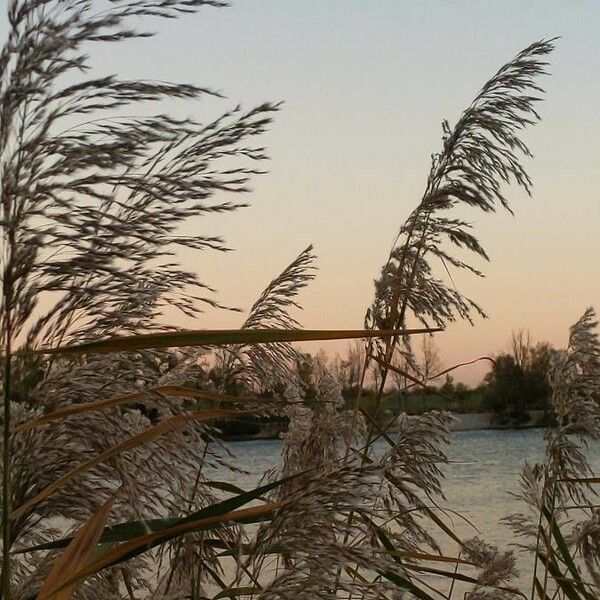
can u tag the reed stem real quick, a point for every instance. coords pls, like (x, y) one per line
(6, 459)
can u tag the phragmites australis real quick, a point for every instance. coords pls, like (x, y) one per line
(480, 154)
(261, 368)
(559, 492)
(92, 200)
(496, 569)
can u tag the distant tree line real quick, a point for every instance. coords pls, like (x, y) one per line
(516, 383)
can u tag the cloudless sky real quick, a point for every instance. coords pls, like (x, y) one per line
(366, 86)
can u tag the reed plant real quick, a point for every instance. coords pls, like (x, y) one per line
(92, 199)
(106, 491)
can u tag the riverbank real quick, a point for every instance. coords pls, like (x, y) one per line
(479, 421)
(462, 422)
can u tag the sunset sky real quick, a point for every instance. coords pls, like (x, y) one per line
(366, 86)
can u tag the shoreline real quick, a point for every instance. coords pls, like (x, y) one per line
(463, 422)
(487, 420)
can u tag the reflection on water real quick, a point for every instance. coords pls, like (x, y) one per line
(484, 468)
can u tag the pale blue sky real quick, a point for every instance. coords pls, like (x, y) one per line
(366, 86)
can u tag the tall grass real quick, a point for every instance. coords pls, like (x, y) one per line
(106, 444)
(92, 199)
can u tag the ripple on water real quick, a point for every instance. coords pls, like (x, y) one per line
(484, 469)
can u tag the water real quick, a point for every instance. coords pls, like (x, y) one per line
(485, 466)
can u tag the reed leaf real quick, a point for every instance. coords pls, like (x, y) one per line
(122, 532)
(138, 545)
(223, 337)
(76, 556)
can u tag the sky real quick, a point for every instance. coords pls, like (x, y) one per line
(365, 87)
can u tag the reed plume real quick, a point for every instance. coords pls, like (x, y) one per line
(261, 368)
(562, 486)
(480, 154)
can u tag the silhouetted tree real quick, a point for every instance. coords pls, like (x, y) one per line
(519, 381)
(506, 387)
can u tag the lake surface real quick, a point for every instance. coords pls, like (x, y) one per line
(485, 467)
